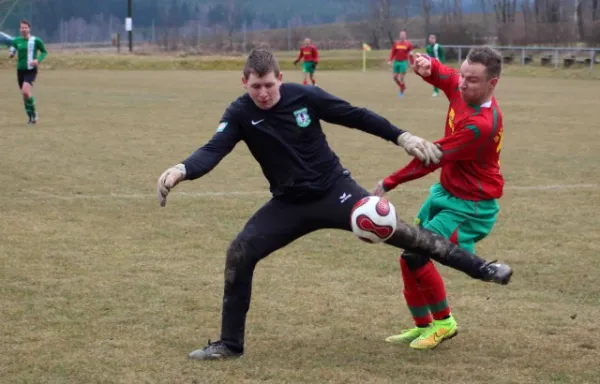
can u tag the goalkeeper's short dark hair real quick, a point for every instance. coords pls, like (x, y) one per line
(260, 62)
(489, 57)
(26, 22)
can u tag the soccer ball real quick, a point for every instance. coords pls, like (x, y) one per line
(373, 219)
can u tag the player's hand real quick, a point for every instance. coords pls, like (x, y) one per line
(34, 63)
(422, 65)
(389, 62)
(379, 189)
(11, 55)
(168, 180)
(420, 148)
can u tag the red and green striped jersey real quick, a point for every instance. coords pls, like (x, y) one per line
(471, 145)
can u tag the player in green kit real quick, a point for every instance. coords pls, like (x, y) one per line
(26, 47)
(435, 50)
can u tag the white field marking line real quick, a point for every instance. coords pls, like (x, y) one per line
(139, 196)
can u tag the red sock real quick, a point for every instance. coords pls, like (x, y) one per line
(313, 81)
(305, 82)
(414, 299)
(432, 288)
(402, 87)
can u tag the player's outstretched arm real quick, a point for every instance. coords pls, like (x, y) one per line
(337, 111)
(461, 146)
(202, 161)
(436, 73)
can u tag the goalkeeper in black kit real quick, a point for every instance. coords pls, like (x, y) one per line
(280, 123)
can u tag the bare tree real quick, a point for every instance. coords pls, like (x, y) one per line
(457, 11)
(426, 6)
(578, 19)
(484, 10)
(527, 16)
(404, 5)
(381, 22)
(505, 11)
(446, 11)
(548, 11)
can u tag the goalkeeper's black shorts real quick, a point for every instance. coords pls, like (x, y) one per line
(278, 223)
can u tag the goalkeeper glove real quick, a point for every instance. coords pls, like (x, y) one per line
(168, 180)
(420, 148)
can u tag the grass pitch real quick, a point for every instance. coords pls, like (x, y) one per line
(100, 285)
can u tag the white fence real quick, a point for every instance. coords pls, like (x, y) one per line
(548, 56)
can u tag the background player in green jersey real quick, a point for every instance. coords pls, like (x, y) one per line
(435, 50)
(27, 47)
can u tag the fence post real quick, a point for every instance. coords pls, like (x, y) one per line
(556, 58)
(592, 57)
(523, 56)
(459, 55)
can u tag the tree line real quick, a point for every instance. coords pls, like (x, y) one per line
(226, 24)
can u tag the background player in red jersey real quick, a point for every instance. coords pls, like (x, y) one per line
(462, 206)
(399, 56)
(310, 55)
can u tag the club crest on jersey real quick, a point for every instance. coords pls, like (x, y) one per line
(302, 118)
(222, 127)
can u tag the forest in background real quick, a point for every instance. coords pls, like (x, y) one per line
(238, 25)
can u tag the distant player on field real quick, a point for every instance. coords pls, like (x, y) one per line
(309, 54)
(281, 125)
(435, 50)
(462, 207)
(27, 47)
(400, 57)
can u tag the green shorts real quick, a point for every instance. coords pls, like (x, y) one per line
(400, 66)
(308, 67)
(464, 222)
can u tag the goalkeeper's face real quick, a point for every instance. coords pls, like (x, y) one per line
(475, 85)
(263, 90)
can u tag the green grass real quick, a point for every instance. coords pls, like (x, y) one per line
(100, 285)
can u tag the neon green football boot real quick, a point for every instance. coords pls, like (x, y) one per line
(440, 330)
(407, 336)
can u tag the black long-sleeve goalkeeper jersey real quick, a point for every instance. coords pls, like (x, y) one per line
(287, 140)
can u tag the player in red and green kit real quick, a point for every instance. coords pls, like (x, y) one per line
(310, 56)
(463, 205)
(400, 56)
(27, 47)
